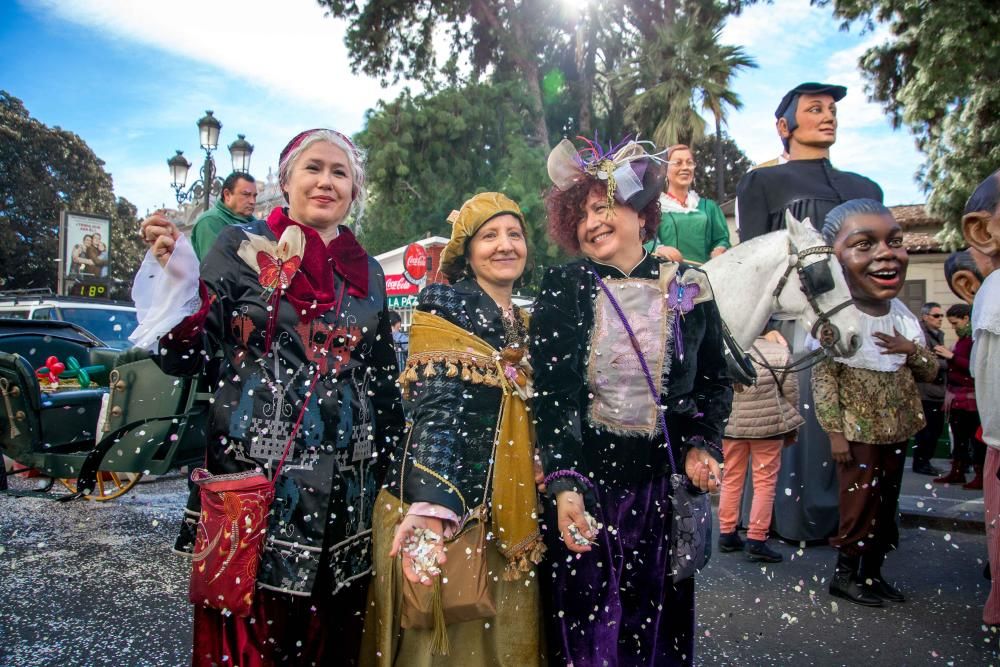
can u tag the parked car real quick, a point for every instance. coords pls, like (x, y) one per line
(110, 321)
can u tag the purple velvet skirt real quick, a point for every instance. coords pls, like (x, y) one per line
(616, 606)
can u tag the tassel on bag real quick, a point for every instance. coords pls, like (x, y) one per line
(440, 644)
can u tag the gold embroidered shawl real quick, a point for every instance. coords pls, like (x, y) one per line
(437, 345)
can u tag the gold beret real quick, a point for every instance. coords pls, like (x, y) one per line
(474, 213)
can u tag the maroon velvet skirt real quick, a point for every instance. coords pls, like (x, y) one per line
(283, 630)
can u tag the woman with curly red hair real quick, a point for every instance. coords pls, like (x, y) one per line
(612, 329)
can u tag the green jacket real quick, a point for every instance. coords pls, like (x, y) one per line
(210, 223)
(695, 233)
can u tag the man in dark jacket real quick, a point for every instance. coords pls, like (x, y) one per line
(931, 393)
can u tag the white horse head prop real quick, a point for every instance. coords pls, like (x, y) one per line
(791, 275)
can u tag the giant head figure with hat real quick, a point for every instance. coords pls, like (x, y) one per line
(807, 119)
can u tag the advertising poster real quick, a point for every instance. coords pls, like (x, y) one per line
(86, 258)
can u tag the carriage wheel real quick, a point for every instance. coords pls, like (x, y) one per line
(110, 485)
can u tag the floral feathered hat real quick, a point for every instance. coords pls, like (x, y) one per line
(634, 176)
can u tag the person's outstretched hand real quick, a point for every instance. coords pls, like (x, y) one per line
(840, 450)
(404, 532)
(895, 344)
(669, 252)
(570, 510)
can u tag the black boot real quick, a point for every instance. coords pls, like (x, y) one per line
(758, 552)
(730, 542)
(923, 467)
(844, 583)
(871, 578)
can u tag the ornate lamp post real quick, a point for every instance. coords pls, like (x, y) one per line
(209, 184)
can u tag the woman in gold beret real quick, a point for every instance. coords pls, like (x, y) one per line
(467, 463)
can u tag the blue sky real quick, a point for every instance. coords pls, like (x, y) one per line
(132, 78)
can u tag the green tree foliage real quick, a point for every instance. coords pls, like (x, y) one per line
(570, 49)
(531, 73)
(735, 165)
(937, 75)
(429, 153)
(393, 39)
(682, 64)
(43, 171)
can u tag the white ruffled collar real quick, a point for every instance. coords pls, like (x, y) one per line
(670, 205)
(870, 356)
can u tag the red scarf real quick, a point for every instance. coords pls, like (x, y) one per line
(312, 290)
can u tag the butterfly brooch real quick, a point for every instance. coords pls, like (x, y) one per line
(276, 263)
(681, 296)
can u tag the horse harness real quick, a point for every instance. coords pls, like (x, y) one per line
(814, 279)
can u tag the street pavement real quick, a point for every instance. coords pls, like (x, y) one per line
(86, 583)
(947, 507)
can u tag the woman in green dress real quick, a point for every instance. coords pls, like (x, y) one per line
(692, 228)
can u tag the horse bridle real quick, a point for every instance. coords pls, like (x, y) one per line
(823, 330)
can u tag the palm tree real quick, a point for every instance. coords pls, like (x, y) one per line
(722, 61)
(683, 64)
(661, 82)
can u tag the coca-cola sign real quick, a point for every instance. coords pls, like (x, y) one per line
(415, 263)
(397, 284)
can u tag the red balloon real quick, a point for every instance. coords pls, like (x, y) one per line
(51, 360)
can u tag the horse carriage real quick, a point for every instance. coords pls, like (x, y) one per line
(93, 418)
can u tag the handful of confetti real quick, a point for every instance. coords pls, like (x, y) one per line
(578, 537)
(420, 547)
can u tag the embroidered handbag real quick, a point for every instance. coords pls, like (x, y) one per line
(462, 591)
(230, 536)
(691, 510)
(231, 532)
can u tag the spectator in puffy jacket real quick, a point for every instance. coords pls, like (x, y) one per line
(764, 419)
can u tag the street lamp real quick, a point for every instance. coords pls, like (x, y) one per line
(241, 150)
(209, 184)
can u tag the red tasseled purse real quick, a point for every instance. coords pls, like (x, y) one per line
(231, 533)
